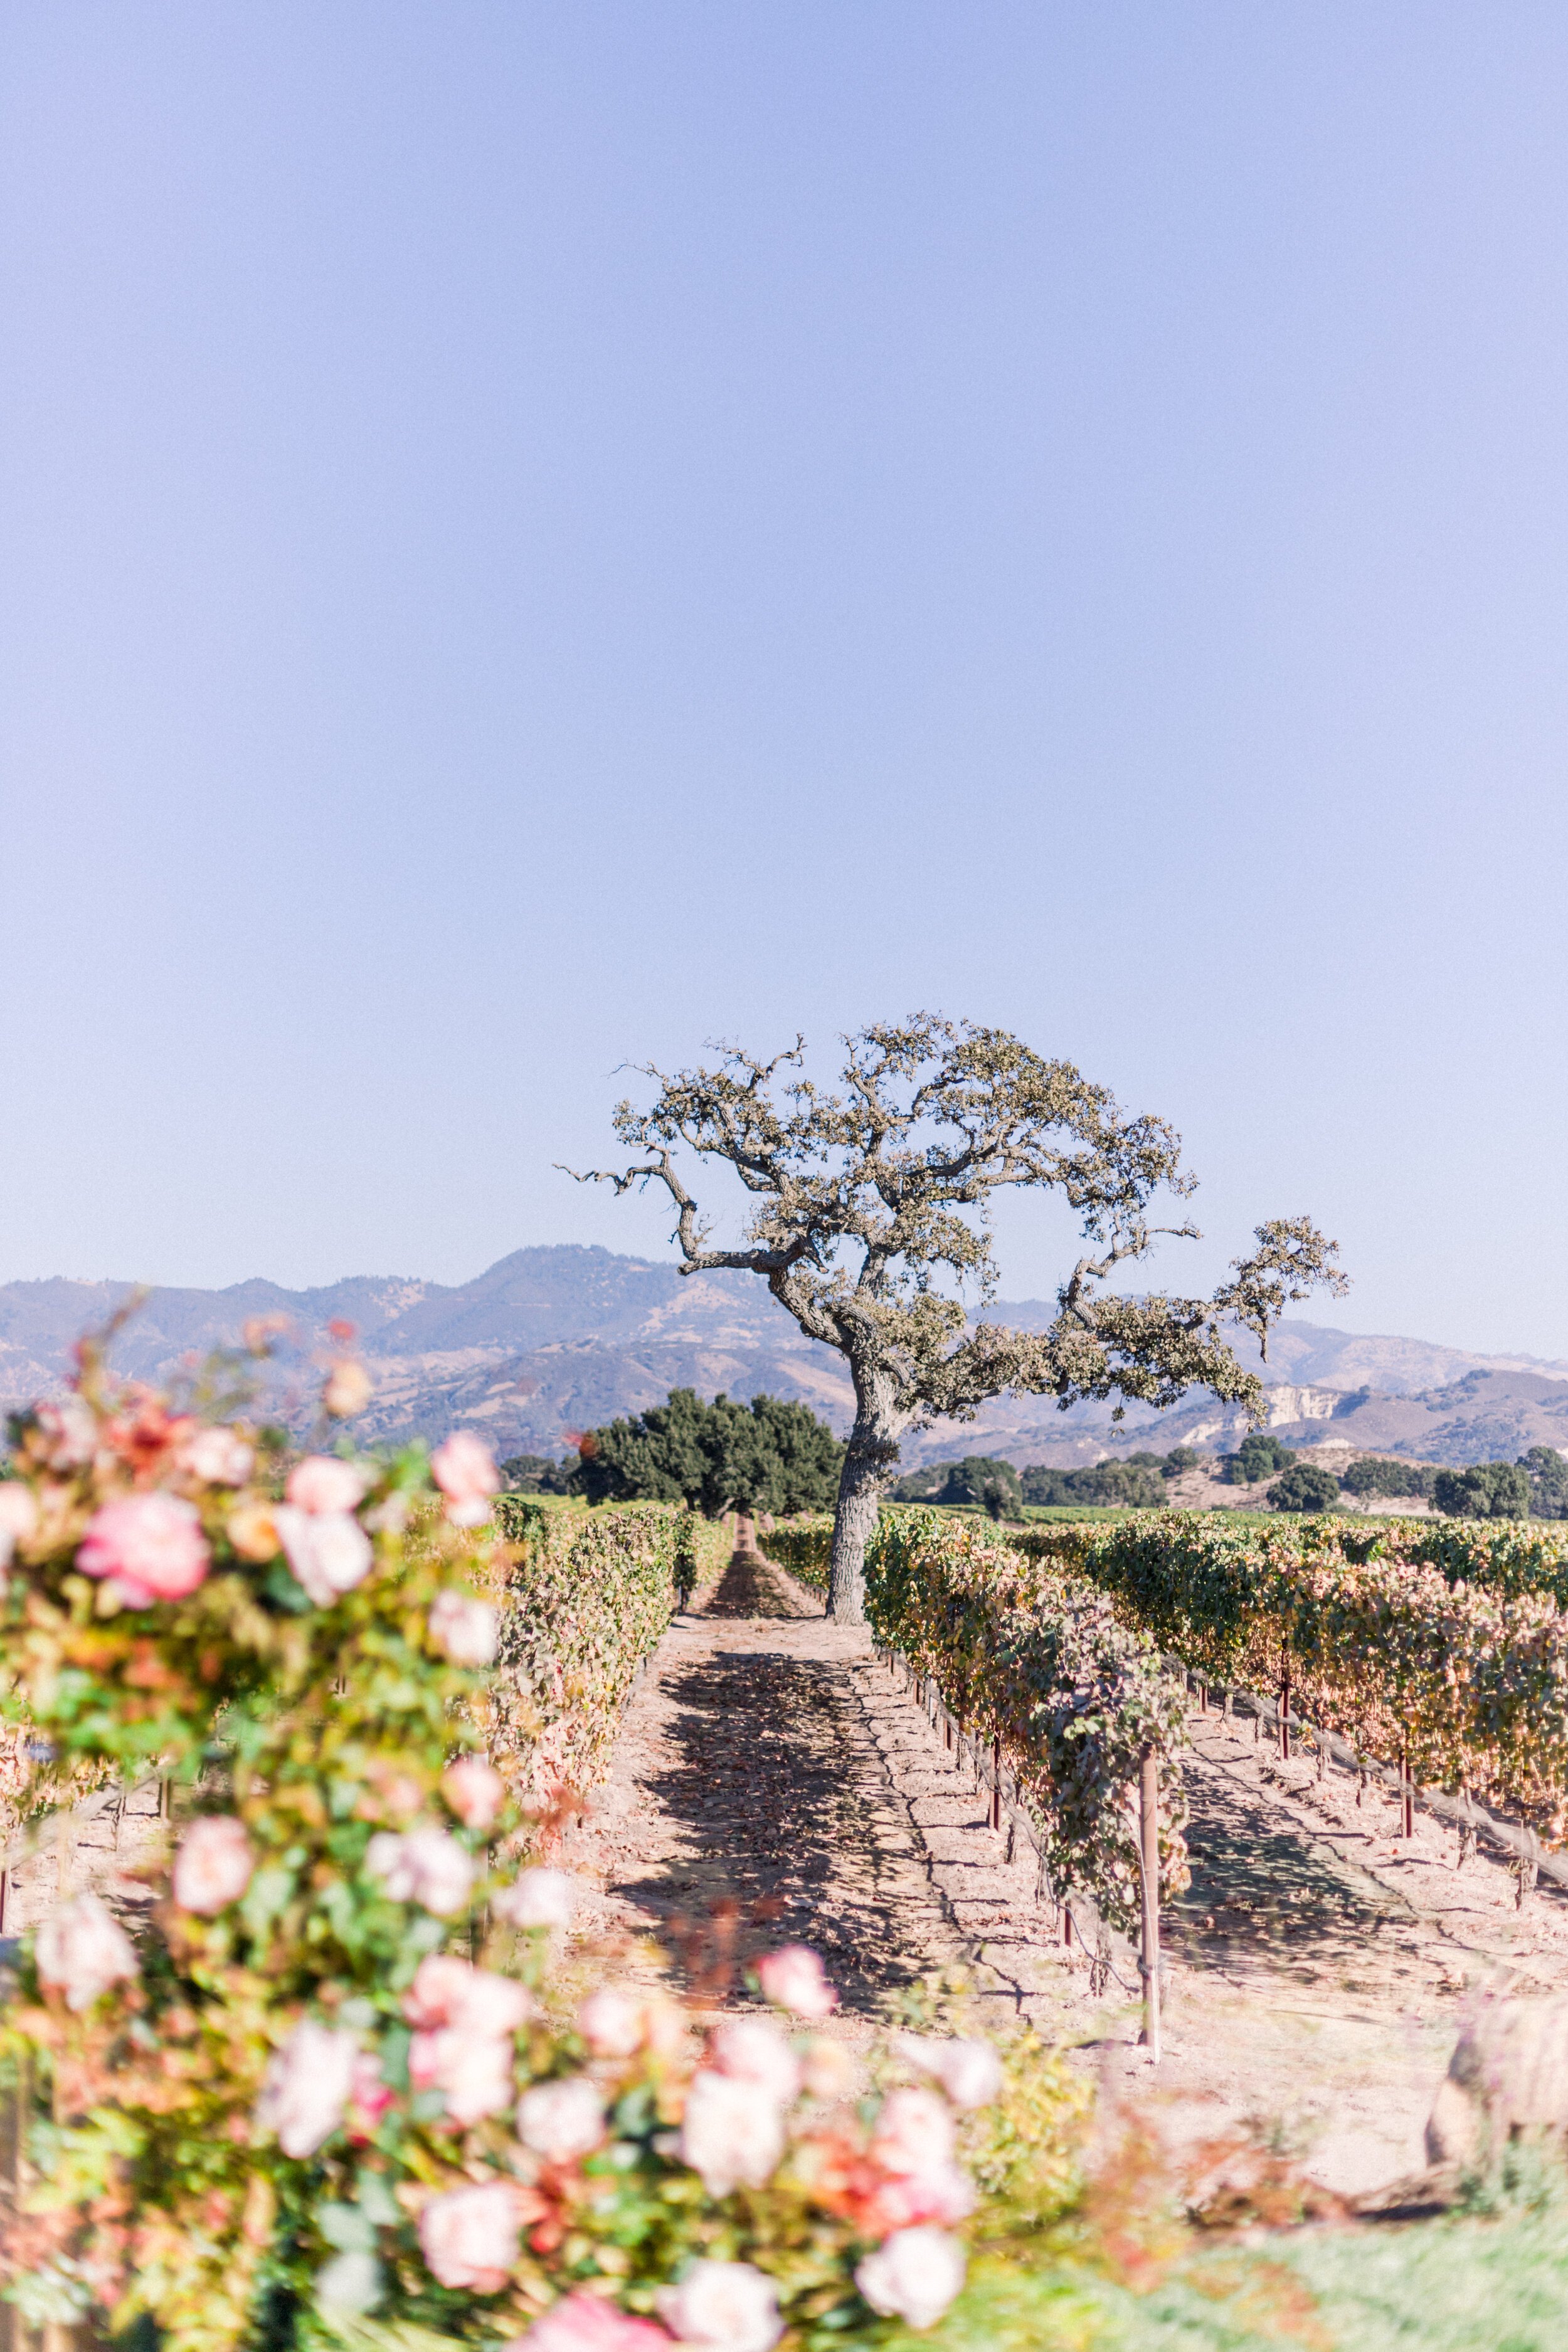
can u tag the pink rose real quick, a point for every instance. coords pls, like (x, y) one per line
(469, 2237)
(18, 1517)
(792, 1978)
(612, 2023)
(730, 2132)
(561, 2120)
(914, 2276)
(447, 1990)
(914, 2132)
(464, 1628)
(213, 1866)
(370, 2095)
(322, 1483)
(217, 1457)
(726, 2306)
(969, 2072)
(587, 2323)
(81, 1949)
(943, 2193)
(70, 1432)
(308, 2087)
(329, 1552)
(751, 2050)
(473, 2072)
(465, 1470)
(151, 1547)
(476, 1792)
(423, 1866)
(537, 1897)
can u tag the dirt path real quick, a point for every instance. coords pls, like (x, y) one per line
(1319, 1965)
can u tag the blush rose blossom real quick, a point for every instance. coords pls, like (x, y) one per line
(18, 1517)
(218, 1457)
(473, 2072)
(423, 1866)
(725, 2306)
(465, 1470)
(213, 1866)
(469, 2237)
(537, 1897)
(914, 2132)
(307, 2087)
(323, 1484)
(969, 2072)
(730, 2132)
(464, 1628)
(148, 1547)
(913, 2275)
(476, 1792)
(81, 1949)
(329, 1551)
(449, 1991)
(69, 1430)
(792, 1978)
(561, 2121)
(587, 2323)
(751, 2050)
(613, 2022)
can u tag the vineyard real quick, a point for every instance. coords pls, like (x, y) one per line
(400, 1878)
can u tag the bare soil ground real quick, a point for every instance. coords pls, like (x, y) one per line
(1319, 1964)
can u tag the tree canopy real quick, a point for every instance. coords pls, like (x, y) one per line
(768, 1455)
(1258, 1457)
(1380, 1475)
(1486, 1490)
(868, 1200)
(1304, 1487)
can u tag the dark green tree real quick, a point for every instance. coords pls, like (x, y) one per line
(1304, 1487)
(1375, 1474)
(1258, 1457)
(542, 1474)
(1487, 1490)
(769, 1455)
(1548, 1474)
(867, 1202)
(981, 1480)
(1132, 1484)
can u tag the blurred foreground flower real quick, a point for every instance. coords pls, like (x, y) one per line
(81, 1949)
(148, 1547)
(465, 1470)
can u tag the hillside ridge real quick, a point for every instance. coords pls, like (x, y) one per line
(556, 1337)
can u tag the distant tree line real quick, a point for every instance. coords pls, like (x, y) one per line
(772, 1455)
(767, 1455)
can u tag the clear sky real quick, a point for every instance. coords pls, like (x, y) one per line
(539, 535)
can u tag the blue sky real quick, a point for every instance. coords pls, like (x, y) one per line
(537, 536)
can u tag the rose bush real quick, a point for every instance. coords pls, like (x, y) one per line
(330, 2082)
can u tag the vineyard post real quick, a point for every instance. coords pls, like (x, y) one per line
(1285, 1716)
(997, 1783)
(1408, 1793)
(1148, 1841)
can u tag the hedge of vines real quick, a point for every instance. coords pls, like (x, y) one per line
(584, 1599)
(1036, 1660)
(1443, 1643)
(802, 1547)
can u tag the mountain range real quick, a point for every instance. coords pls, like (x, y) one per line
(555, 1339)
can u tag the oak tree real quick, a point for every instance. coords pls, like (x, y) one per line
(867, 1199)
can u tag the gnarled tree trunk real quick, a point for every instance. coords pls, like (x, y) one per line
(868, 1458)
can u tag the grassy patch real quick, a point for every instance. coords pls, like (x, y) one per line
(1459, 2285)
